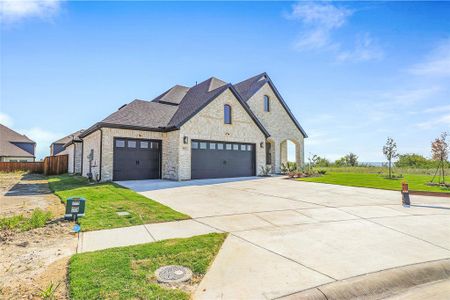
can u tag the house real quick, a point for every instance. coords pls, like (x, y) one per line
(71, 145)
(210, 130)
(15, 147)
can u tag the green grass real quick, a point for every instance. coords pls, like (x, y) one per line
(379, 181)
(128, 272)
(104, 200)
(380, 170)
(37, 219)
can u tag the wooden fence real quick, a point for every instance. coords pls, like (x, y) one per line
(55, 165)
(33, 167)
(52, 165)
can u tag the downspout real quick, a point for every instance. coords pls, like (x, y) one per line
(82, 156)
(101, 154)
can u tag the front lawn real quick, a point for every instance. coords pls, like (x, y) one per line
(415, 182)
(104, 200)
(128, 272)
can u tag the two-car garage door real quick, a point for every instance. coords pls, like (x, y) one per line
(141, 159)
(211, 159)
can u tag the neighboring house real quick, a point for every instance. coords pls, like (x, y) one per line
(15, 147)
(211, 130)
(71, 145)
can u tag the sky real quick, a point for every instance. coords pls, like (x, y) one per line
(353, 73)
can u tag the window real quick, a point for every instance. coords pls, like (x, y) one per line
(227, 114)
(202, 145)
(212, 146)
(266, 103)
(228, 146)
(235, 147)
(143, 145)
(120, 143)
(249, 147)
(194, 145)
(243, 147)
(268, 153)
(219, 146)
(131, 144)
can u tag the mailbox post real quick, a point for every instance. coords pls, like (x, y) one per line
(75, 208)
(405, 194)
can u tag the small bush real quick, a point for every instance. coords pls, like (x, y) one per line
(265, 171)
(322, 172)
(37, 219)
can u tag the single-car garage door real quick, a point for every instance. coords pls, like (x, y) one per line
(212, 159)
(136, 159)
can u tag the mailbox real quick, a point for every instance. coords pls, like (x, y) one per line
(75, 207)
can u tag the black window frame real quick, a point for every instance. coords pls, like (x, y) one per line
(227, 114)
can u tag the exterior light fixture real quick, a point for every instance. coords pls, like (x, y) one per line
(261, 145)
(185, 139)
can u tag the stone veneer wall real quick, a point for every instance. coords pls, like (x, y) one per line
(170, 142)
(70, 151)
(208, 125)
(278, 123)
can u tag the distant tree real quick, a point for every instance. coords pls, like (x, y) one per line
(390, 151)
(350, 160)
(413, 160)
(439, 152)
(322, 162)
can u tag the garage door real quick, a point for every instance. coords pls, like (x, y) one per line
(136, 159)
(212, 159)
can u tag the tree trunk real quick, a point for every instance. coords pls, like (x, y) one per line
(390, 173)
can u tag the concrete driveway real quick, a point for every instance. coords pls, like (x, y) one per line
(288, 236)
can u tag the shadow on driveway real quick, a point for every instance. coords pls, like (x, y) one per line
(160, 184)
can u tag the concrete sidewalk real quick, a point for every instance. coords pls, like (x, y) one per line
(141, 234)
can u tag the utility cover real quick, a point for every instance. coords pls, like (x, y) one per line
(173, 274)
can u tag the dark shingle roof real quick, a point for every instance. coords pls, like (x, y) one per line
(174, 107)
(142, 113)
(7, 139)
(69, 138)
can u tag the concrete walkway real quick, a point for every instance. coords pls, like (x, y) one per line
(287, 236)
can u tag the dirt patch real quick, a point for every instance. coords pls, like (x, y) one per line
(31, 260)
(22, 193)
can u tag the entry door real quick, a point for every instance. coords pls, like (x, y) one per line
(136, 159)
(211, 159)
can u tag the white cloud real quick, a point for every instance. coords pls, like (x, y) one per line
(442, 120)
(366, 49)
(319, 19)
(436, 64)
(43, 139)
(442, 108)
(12, 11)
(412, 96)
(6, 120)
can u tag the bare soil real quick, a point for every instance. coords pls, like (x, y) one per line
(32, 260)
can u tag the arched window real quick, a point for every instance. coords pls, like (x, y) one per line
(266, 103)
(227, 114)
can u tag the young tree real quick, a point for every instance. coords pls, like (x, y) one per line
(439, 152)
(390, 151)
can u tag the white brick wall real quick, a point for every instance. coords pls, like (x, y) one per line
(169, 149)
(91, 142)
(208, 125)
(279, 125)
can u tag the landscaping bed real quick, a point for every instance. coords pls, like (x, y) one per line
(105, 200)
(379, 181)
(128, 272)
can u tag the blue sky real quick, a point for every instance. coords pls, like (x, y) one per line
(352, 73)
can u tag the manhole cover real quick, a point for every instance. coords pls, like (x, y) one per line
(123, 213)
(173, 274)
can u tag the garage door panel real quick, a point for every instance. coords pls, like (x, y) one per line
(136, 159)
(210, 159)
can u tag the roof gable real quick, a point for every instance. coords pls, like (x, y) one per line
(13, 143)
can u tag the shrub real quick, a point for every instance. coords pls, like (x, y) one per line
(322, 172)
(265, 171)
